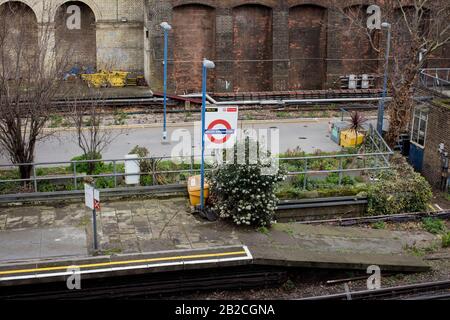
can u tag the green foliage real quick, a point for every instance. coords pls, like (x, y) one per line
(104, 183)
(56, 121)
(434, 226)
(243, 192)
(399, 190)
(379, 225)
(120, 117)
(446, 240)
(89, 168)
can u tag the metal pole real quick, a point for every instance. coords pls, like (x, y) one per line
(385, 83)
(166, 36)
(94, 226)
(94, 221)
(202, 185)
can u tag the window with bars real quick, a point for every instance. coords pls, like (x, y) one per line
(419, 126)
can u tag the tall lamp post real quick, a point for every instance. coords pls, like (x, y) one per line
(387, 26)
(207, 64)
(166, 27)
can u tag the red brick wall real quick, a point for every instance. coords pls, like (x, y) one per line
(438, 131)
(80, 43)
(252, 48)
(194, 32)
(307, 47)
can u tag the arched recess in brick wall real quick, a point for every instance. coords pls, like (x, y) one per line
(252, 48)
(19, 29)
(354, 48)
(194, 34)
(307, 47)
(80, 44)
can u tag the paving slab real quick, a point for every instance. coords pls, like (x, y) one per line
(152, 225)
(30, 244)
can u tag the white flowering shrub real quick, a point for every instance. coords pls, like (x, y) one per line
(242, 192)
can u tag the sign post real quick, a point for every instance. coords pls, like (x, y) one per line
(207, 64)
(92, 201)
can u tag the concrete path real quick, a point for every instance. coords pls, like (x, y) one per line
(166, 224)
(309, 135)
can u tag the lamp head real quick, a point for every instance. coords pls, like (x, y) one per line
(166, 26)
(386, 25)
(208, 64)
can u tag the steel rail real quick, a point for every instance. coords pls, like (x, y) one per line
(390, 292)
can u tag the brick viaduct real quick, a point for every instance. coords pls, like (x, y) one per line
(258, 45)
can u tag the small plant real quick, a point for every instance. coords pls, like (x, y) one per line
(356, 123)
(120, 117)
(433, 225)
(289, 285)
(446, 240)
(56, 121)
(263, 230)
(380, 225)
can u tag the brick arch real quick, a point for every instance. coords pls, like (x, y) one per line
(307, 25)
(243, 3)
(253, 47)
(206, 3)
(318, 3)
(90, 3)
(30, 4)
(194, 31)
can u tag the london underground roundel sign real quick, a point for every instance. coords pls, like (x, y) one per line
(221, 127)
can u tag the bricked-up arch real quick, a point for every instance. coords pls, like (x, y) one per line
(307, 47)
(19, 28)
(353, 45)
(252, 48)
(81, 43)
(194, 34)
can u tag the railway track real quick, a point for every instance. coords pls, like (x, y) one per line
(150, 285)
(439, 290)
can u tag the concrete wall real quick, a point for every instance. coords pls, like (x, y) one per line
(438, 132)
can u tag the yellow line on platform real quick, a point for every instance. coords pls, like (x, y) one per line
(106, 264)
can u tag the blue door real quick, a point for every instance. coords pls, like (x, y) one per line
(416, 157)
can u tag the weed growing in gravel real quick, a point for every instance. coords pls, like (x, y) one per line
(434, 226)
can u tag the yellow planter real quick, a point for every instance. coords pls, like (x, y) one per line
(348, 138)
(194, 189)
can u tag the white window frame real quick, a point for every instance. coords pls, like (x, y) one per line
(419, 114)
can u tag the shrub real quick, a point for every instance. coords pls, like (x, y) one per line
(398, 190)
(85, 167)
(242, 192)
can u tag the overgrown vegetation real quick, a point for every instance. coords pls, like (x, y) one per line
(434, 226)
(398, 190)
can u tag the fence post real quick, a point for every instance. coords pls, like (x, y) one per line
(115, 174)
(75, 175)
(34, 178)
(305, 176)
(192, 161)
(153, 171)
(340, 171)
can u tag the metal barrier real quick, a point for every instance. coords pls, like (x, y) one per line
(376, 157)
(436, 79)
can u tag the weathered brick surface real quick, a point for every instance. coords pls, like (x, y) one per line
(194, 31)
(82, 43)
(111, 36)
(252, 48)
(438, 132)
(307, 47)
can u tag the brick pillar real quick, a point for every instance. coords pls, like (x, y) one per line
(280, 48)
(224, 52)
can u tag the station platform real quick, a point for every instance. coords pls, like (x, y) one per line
(117, 265)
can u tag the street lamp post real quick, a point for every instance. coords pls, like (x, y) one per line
(166, 27)
(207, 64)
(385, 83)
